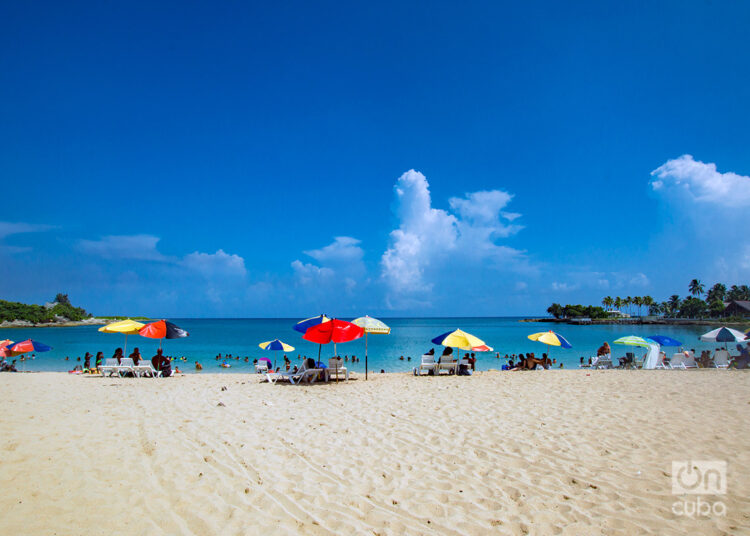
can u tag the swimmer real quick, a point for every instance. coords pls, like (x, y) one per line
(198, 366)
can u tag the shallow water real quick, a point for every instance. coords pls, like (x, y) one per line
(409, 337)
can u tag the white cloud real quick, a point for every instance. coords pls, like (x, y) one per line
(215, 265)
(343, 250)
(307, 274)
(702, 182)
(423, 234)
(132, 247)
(8, 228)
(430, 242)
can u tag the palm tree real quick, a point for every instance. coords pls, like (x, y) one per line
(627, 302)
(648, 301)
(638, 302)
(674, 304)
(716, 293)
(607, 302)
(618, 303)
(696, 288)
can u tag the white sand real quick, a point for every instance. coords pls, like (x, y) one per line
(557, 452)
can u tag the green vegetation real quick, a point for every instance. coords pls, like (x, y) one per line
(41, 314)
(115, 318)
(693, 306)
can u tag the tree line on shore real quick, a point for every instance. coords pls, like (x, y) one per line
(61, 308)
(692, 306)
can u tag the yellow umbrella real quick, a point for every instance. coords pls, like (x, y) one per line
(127, 327)
(458, 339)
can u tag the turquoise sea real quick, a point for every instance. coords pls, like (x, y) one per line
(409, 337)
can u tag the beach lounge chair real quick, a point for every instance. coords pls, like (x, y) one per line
(447, 363)
(126, 366)
(689, 362)
(336, 369)
(663, 362)
(145, 368)
(295, 378)
(721, 359)
(602, 362)
(109, 367)
(677, 361)
(261, 367)
(428, 363)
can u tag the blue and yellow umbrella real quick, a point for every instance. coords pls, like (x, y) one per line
(276, 345)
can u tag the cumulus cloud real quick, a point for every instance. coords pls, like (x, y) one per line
(702, 182)
(343, 249)
(133, 247)
(422, 249)
(215, 265)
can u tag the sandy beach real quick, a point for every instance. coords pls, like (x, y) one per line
(558, 452)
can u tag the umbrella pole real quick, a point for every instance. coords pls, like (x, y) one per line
(126, 346)
(365, 356)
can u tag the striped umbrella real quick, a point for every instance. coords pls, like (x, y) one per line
(723, 334)
(162, 329)
(276, 345)
(27, 346)
(371, 325)
(550, 338)
(633, 340)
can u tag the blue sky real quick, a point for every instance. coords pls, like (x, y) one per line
(254, 160)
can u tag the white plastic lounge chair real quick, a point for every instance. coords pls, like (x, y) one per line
(721, 359)
(446, 362)
(145, 368)
(602, 362)
(109, 367)
(336, 369)
(302, 374)
(677, 361)
(428, 363)
(261, 367)
(689, 362)
(663, 363)
(126, 365)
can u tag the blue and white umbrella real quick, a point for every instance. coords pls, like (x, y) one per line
(723, 334)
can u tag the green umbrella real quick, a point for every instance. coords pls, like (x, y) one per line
(633, 340)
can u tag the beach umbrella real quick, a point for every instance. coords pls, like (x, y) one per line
(334, 331)
(633, 340)
(4, 352)
(723, 334)
(162, 329)
(26, 346)
(482, 348)
(371, 325)
(303, 325)
(458, 339)
(663, 340)
(126, 327)
(550, 338)
(276, 345)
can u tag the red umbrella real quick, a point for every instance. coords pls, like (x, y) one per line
(333, 331)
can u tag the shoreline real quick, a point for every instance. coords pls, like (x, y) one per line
(638, 321)
(21, 324)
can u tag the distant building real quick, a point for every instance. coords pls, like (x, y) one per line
(738, 308)
(614, 313)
